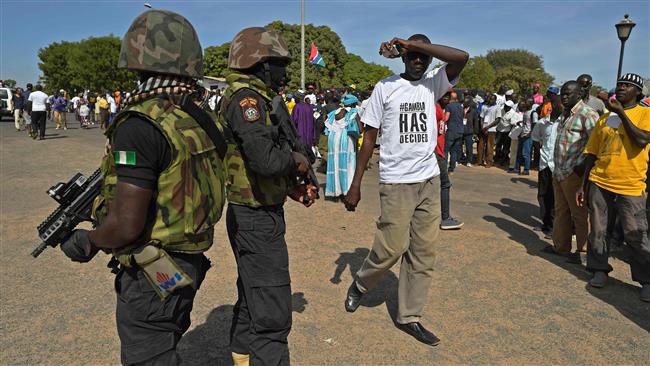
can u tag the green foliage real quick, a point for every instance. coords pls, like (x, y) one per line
(10, 83)
(363, 74)
(88, 64)
(330, 47)
(517, 69)
(54, 65)
(514, 57)
(94, 65)
(215, 60)
(478, 74)
(521, 79)
(342, 68)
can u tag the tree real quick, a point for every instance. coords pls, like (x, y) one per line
(514, 57)
(478, 74)
(88, 64)
(362, 74)
(517, 69)
(521, 79)
(215, 60)
(10, 83)
(342, 68)
(329, 45)
(54, 65)
(93, 64)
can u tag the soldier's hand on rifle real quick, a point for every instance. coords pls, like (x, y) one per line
(353, 197)
(78, 247)
(305, 194)
(302, 164)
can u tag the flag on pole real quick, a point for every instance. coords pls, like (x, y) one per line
(314, 56)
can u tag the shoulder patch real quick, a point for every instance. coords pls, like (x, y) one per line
(124, 157)
(250, 109)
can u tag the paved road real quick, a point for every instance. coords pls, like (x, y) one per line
(495, 297)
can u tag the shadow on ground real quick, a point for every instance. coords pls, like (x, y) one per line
(53, 136)
(208, 344)
(384, 292)
(622, 296)
(527, 181)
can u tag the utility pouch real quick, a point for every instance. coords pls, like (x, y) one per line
(162, 272)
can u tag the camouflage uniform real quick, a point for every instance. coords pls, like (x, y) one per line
(259, 164)
(188, 196)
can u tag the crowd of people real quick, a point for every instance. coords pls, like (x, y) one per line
(545, 132)
(88, 109)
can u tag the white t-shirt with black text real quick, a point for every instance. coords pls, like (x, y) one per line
(38, 99)
(405, 113)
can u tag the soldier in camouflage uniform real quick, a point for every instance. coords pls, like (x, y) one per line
(163, 192)
(261, 172)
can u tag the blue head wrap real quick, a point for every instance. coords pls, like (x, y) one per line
(349, 99)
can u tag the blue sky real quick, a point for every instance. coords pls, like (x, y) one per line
(573, 36)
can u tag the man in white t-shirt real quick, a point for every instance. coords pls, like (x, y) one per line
(403, 108)
(310, 94)
(38, 111)
(75, 106)
(112, 107)
(490, 116)
(501, 96)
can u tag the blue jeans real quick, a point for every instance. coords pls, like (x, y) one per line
(453, 146)
(523, 153)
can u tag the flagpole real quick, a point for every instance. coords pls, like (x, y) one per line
(302, 44)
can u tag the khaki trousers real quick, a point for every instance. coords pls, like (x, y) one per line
(408, 229)
(568, 216)
(18, 119)
(60, 119)
(486, 148)
(514, 144)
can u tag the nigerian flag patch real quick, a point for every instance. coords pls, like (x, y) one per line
(124, 157)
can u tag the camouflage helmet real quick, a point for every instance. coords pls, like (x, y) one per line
(164, 42)
(254, 45)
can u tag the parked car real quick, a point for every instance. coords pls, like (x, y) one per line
(6, 95)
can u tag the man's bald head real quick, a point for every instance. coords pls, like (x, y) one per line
(570, 94)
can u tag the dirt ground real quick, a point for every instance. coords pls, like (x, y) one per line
(495, 298)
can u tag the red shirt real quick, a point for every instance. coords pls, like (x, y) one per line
(442, 128)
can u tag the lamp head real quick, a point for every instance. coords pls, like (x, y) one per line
(624, 28)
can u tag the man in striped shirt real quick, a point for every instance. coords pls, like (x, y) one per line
(574, 129)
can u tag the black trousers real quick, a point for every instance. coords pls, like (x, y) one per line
(38, 123)
(262, 315)
(631, 212)
(150, 328)
(445, 186)
(545, 197)
(502, 148)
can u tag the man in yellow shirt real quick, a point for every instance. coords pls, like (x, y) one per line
(614, 182)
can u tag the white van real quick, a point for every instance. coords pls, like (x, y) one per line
(6, 96)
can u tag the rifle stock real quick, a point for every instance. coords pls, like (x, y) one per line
(280, 116)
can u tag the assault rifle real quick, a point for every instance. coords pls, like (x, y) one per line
(76, 202)
(280, 117)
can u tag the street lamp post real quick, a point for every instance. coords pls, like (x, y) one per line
(623, 29)
(302, 44)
